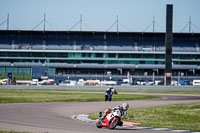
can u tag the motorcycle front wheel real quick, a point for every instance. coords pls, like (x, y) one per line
(98, 124)
(113, 123)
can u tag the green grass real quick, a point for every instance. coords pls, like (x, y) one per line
(164, 91)
(147, 91)
(178, 116)
(171, 91)
(155, 91)
(23, 96)
(192, 91)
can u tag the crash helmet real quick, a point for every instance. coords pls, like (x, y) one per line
(110, 87)
(125, 106)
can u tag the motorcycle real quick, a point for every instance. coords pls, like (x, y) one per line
(111, 120)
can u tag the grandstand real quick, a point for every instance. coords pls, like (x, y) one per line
(96, 53)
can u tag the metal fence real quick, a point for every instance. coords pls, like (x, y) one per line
(131, 87)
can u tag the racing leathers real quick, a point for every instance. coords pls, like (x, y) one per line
(120, 108)
(108, 94)
(123, 112)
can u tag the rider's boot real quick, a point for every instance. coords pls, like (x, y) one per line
(120, 123)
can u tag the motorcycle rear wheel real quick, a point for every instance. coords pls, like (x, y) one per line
(113, 123)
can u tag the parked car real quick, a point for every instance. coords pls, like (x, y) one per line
(174, 82)
(184, 82)
(3, 81)
(150, 82)
(196, 82)
(46, 82)
(68, 83)
(159, 82)
(140, 82)
(108, 82)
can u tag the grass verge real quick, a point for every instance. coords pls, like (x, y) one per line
(178, 116)
(164, 91)
(23, 96)
(189, 91)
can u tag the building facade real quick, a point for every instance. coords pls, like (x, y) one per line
(97, 53)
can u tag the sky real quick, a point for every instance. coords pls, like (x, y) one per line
(100, 15)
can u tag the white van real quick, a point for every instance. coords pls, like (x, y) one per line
(68, 83)
(3, 81)
(196, 82)
(108, 82)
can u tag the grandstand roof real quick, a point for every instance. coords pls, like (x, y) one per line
(17, 34)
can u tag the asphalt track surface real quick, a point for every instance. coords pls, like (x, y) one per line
(57, 117)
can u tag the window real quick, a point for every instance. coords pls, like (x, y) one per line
(99, 55)
(25, 54)
(111, 55)
(13, 54)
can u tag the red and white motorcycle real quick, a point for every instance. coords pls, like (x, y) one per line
(111, 120)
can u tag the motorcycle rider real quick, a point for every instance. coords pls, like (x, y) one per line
(108, 94)
(122, 109)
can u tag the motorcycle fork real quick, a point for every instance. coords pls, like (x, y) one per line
(100, 114)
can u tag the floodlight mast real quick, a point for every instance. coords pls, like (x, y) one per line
(44, 22)
(80, 22)
(7, 21)
(153, 24)
(190, 25)
(117, 24)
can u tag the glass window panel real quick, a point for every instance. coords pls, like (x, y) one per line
(37, 54)
(99, 55)
(111, 55)
(3, 54)
(25, 54)
(13, 54)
